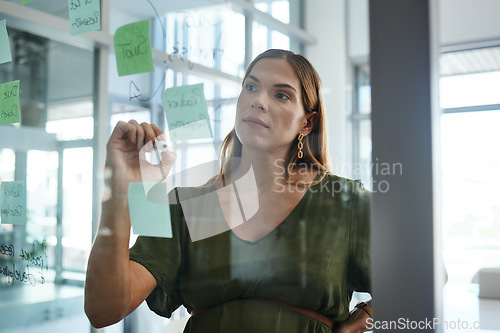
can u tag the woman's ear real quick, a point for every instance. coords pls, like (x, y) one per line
(309, 122)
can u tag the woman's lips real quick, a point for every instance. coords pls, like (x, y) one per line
(255, 122)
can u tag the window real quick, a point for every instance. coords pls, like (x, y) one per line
(51, 151)
(470, 102)
(361, 126)
(470, 99)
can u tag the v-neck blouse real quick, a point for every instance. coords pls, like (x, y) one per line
(314, 259)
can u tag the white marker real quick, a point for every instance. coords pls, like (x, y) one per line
(160, 146)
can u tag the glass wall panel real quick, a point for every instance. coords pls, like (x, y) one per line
(77, 213)
(56, 99)
(210, 36)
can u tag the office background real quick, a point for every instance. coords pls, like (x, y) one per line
(71, 97)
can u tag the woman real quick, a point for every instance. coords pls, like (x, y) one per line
(290, 267)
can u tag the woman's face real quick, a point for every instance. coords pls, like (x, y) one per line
(269, 113)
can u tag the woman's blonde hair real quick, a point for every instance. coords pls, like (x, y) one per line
(315, 149)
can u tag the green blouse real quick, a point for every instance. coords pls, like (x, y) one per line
(314, 259)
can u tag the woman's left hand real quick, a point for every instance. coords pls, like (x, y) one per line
(355, 323)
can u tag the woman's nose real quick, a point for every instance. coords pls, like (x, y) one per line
(259, 101)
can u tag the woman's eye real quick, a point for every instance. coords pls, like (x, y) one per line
(282, 96)
(250, 87)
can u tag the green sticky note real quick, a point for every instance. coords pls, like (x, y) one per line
(5, 54)
(186, 111)
(25, 1)
(84, 16)
(133, 48)
(13, 202)
(147, 217)
(9, 103)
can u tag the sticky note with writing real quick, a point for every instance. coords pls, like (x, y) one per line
(186, 111)
(84, 16)
(13, 202)
(9, 103)
(147, 217)
(133, 48)
(5, 54)
(196, 130)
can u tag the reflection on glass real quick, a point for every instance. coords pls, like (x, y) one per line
(77, 212)
(279, 9)
(233, 45)
(71, 120)
(280, 41)
(227, 114)
(209, 36)
(41, 201)
(127, 113)
(7, 163)
(7, 169)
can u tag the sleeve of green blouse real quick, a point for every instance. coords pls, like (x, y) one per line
(359, 258)
(162, 257)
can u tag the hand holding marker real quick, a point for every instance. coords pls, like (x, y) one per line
(160, 147)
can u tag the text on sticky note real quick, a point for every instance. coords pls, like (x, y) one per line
(13, 202)
(9, 103)
(133, 48)
(183, 106)
(84, 16)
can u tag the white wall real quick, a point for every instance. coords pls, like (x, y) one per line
(325, 19)
(464, 21)
(358, 34)
(460, 22)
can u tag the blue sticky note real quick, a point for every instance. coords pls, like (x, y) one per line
(13, 202)
(186, 111)
(5, 54)
(84, 16)
(9, 103)
(147, 217)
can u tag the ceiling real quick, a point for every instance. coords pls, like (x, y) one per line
(140, 8)
(470, 61)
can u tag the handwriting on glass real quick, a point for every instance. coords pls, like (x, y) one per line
(32, 261)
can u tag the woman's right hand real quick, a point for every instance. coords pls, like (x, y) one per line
(126, 155)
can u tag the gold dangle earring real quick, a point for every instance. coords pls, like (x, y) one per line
(300, 154)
